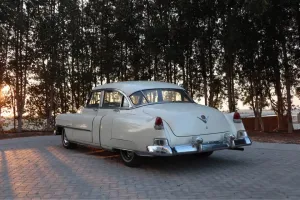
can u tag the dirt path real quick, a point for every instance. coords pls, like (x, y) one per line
(275, 137)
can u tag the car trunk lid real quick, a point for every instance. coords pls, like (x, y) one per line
(190, 119)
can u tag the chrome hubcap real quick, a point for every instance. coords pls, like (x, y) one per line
(127, 155)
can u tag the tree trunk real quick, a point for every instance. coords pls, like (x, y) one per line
(229, 78)
(256, 122)
(175, 73)
(229, 55)
(18, 95)
(256, 114)
(13, 106)
(126, 62)
(204, 72)
(298, 20)
(287, 86)
(211, 76)
(262, 126)
(261, 122)
(155, 66)
(181, 64)
(279, 100)
(51, 102)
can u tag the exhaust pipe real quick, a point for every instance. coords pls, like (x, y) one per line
(237, 149)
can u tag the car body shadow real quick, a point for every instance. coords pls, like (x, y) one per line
(171, 163)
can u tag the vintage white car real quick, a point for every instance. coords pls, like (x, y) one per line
(146, 118)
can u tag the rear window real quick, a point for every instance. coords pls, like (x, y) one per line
(166, 95)
(138, 98)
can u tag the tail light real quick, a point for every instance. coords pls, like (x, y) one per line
(237, 117)
(158, 123)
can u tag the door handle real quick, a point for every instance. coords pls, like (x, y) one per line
(117, 110)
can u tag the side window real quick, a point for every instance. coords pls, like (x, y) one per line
(138, 98)
(114, 99)
(94, 100)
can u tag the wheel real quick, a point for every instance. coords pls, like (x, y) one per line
(204, 154)
(65, 142)
(129, 158)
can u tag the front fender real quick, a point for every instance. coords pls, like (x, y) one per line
(62, 120)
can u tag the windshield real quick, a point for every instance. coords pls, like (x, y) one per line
(166, 95)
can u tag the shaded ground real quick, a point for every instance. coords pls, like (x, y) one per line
(9, 135)
(40, 168)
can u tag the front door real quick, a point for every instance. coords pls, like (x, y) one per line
(83, 122)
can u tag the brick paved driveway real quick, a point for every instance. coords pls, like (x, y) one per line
(39, 167)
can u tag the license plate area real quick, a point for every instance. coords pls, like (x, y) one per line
(215, 145)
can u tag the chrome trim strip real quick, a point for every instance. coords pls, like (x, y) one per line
(81, 129)
(204, 134)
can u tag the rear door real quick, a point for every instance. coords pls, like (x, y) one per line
(83, 123)
(115, 108)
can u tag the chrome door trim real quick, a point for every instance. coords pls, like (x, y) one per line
(81, 129)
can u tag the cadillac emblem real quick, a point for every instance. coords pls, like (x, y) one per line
(203, 118)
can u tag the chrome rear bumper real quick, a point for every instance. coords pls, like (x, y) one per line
(228, 143)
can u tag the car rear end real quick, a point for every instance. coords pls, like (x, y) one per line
(196, 129)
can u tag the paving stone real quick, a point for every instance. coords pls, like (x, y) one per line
(40, 168)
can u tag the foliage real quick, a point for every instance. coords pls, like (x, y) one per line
(52, 52)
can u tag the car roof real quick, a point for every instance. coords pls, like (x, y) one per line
(129, 87)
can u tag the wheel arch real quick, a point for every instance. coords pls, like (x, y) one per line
(58, 130)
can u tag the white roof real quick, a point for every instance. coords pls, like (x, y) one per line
(129, 87)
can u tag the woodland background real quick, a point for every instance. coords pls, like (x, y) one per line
(224, 51)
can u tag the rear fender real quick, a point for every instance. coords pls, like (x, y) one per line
(234, 127)
(134, 132)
